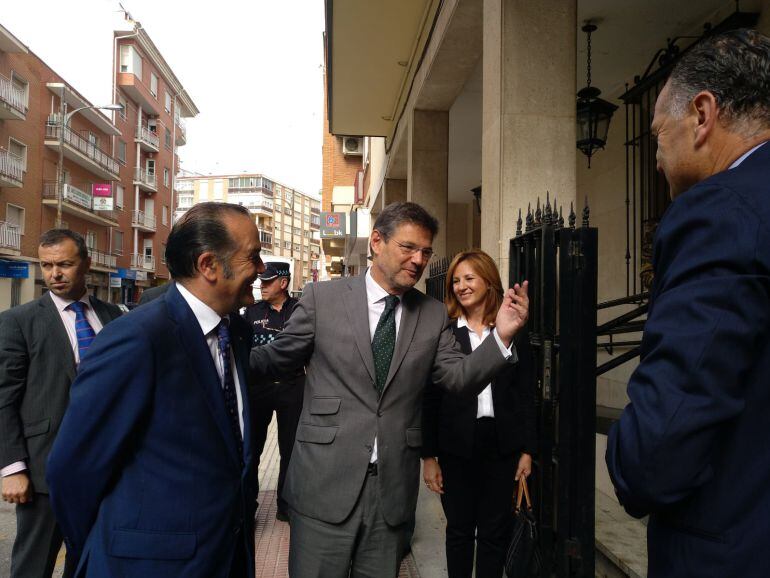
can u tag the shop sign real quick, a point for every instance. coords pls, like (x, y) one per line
(14, 269)
(332, 225)
(102, 193)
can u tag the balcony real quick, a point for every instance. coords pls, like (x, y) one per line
(11, 169)
(148, 140)
(143, 262)
(102, 261)
(264, 208)
(146, 180)
(266, 239)
(139, 92)
(143, 221)
(13, 101)
(10, 238)
(83, 152)
(77, 202)
(181, 131)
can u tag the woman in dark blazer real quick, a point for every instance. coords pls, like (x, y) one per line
(475, 448)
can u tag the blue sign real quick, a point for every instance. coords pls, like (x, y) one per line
(125, 274)
(14, 269)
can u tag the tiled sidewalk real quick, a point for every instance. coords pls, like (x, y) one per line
(272, 537)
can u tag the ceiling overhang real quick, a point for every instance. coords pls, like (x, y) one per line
(9, 43)
(75, 100)
(373, 51)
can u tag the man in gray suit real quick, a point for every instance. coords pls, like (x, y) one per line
(370, 345)
(41, 343)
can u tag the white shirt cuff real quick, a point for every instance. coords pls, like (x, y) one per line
(508, 352)
(14, 468)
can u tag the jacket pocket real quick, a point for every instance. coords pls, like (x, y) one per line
(147, 545)
(37, 428)
(414, 437)
(325, 405)
(316, 434)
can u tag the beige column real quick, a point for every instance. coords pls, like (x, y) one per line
(528, 121)
(395, 191)
(427, 164)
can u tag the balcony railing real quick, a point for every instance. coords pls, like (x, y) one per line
(83, 146)
(144, 262)
(75, 196)
(103, 259)
(11, 168)
(145, 178)
(265, 238)
(12, 96)
(10, 236)
(143, 220)
(181, 130)
(146, 136)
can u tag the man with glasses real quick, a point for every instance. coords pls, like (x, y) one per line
(370, 345)
(269, 394)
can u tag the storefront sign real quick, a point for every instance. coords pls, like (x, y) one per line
(115, 281)
(102, 197)
(14, 269)
(332, 225)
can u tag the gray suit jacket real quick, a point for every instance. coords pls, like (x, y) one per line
(341, 415)
(37, 366)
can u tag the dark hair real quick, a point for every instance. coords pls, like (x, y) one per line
(56, 236)
(733, 66)
(397, 214)
(201, 229)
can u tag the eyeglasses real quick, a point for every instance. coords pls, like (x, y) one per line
(409, 249)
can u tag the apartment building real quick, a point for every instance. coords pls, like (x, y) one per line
(288, 219)
(57, 149)
(32, 142)
(155, 105)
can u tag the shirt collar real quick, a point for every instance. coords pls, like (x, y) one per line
(745, 155)
(207, 318)
(62, 304)
(463, 322)
(374, 292)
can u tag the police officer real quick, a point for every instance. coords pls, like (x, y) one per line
(268, 395)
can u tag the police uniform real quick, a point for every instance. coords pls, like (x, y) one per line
(270, 394)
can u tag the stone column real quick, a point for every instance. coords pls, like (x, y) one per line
(427, 167)
(395, 191)
(528, 121)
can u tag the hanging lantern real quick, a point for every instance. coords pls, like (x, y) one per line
(593, 113)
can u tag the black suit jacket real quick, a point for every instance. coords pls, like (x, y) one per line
(37, 366)
(449, 420)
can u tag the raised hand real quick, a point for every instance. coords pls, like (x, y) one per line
(513, 313)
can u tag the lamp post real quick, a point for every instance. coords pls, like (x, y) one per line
(65, 118)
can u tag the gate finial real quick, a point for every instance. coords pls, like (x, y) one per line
(529, 218)
(586, 213)
(561, 218)
(538, 214)
(518, 224)
(572, 216)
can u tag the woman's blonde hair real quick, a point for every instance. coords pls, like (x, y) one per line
(483, 265)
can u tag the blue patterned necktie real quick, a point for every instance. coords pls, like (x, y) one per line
(83, 330)
(384, 342)
(228, 387)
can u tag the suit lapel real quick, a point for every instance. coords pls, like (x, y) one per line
(54, 326)
(463, 338)
(102, 311)
(410, 313)
(358, 319)
(199, 356)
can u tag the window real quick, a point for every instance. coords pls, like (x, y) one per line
(306, 218)
(167, 99)
(166, 178)
(19, 150)
(297, 248)
(117, 242)
(119, 196)
(154, 84)
(168, 139)
(152, 125)
(21, 85)
(287, 245)
(91, 240)
(15, 216)
(218, 190)
(93, 139)
(122, 151)
(164, 215)
(130, 60)
(122, 102)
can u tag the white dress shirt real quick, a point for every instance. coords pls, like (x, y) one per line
(745, 155)
(485, 407)
(375, 299)
(209, 320)
(68, 319)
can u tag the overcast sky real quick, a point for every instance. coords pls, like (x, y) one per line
(253, 68)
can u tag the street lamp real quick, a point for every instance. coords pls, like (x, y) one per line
(65, 119)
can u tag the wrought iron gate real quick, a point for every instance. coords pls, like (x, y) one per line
(560, 263)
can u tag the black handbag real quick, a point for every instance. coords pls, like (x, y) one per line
(523, 557)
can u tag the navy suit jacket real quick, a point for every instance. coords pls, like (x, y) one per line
(691, 448)
(144, 475)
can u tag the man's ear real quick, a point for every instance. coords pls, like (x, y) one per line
(208, 266)
(284, 283)
(375, 242)
(707, 111)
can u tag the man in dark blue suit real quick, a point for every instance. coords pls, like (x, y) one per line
(150, 475)
(691, 448)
